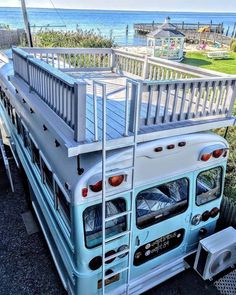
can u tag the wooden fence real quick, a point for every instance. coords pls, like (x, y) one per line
(8, 38)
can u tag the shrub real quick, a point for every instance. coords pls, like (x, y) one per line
(72, 39)
(233, 45)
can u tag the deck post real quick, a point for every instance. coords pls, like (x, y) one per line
(232, 101)
(28, 71)
(80, 111)
(133, 107)
(145, 68)
(113, 60)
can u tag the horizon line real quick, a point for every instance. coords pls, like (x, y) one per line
(128, 10)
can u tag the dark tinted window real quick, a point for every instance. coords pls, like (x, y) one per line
(161, 202)
(93, 222)
(209, 186)
(63, 206)
(47, 176)
(35, 155)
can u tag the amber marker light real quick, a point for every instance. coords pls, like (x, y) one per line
(116, 180)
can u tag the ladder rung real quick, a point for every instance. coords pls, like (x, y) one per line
(117, 171)
(115, 273)
(117, 216)
(123, 145)
(116, 254)
(117, 236)
(116, 195)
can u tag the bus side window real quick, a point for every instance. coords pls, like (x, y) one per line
(62, 205)
(35, 155)
(47, 177)
(19, 125)
(209, 185)
(13, 115)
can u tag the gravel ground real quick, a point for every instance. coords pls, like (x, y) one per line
(26, 266)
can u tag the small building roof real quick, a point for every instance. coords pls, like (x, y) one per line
(167, 30)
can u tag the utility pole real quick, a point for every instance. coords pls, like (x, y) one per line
(27, 25)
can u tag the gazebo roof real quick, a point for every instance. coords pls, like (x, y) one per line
(167, 30)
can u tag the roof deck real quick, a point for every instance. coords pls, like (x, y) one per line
(69, 86)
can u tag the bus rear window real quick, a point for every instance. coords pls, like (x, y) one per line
(92, 217)
(209, 185)
(162, 202)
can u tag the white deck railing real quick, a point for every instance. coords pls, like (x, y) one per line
(175, 96)
(74, 59)
(186, 100)
(121, 61)
(62, 93)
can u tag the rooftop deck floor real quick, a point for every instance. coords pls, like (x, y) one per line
(116, 93)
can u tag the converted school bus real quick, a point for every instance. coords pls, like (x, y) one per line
(124, 174)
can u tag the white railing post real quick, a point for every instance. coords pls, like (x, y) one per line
(232, 99)
(113, 60)
(28, 71)
(145, 68)
(80, 111)
(136, 97)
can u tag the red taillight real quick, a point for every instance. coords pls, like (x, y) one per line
(205, 157)
(110, 253)
(97, 187)
(206, 215)
(217, 153)
(116, 180)
(84, 192)
(214, 212)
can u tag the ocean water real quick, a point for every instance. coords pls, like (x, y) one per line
(108, 23)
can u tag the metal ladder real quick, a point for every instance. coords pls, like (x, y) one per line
(106, 197)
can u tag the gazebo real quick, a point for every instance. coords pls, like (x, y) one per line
(166, 42)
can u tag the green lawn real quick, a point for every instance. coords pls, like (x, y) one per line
(200, 59)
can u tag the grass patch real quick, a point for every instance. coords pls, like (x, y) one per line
(200, 59)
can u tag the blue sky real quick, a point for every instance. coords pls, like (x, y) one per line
(155, 5)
